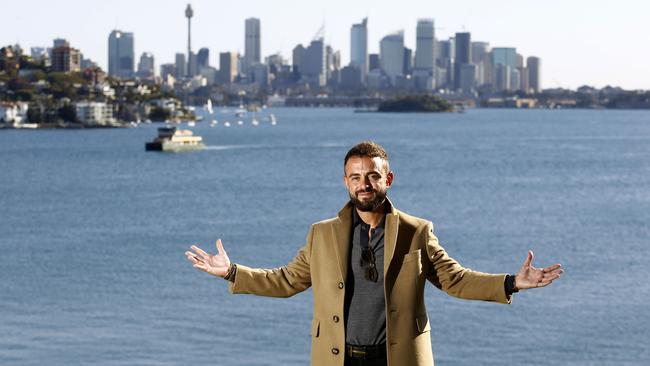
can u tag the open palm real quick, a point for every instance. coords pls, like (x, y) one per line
(531, 277)
(217, 265)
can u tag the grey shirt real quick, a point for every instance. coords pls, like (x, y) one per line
(365, 307)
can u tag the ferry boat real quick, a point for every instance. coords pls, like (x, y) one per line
(171, 139)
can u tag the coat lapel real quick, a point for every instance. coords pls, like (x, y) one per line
(390, 236)
(341, 234)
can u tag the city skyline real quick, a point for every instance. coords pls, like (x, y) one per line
(595, 50)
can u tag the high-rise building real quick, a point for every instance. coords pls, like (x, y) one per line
(482, 60)
(505, 56)
(192, 68)
(425, 50)
(181, 65)
(313, 65)
(533, 64)
(408, 61)
(462, 56)
(359, 48)
(203, 58)
(373, 62)
(120, 54)
(253, 49)
(445, 52)
(146, 67)
(167, 70)
(467, 78)
(391, 55)
(60, 42)
(66, 59)
(502, 77)
(425, 45)
(227, 67)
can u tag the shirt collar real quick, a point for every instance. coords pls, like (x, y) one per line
(356, 219)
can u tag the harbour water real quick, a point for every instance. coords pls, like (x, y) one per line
(93, 231)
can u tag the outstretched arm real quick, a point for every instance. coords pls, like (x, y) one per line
(216, 265)
(531, 277)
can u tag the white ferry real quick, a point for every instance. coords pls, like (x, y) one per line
(172, 140)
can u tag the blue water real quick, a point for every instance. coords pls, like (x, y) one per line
(93, 230)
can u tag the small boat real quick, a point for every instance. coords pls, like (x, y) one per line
(208, 107)
(191, 124)
(240, 123)
(171, 139)
(226, 124)
(214, 123)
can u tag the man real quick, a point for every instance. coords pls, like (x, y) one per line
(367, 268)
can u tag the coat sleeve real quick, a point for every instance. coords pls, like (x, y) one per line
(285, 281)
(448, 275)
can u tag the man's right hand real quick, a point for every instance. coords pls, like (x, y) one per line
(217, 265)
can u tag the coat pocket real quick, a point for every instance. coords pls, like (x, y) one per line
(315, 328)
(411, 256)
(423, 324)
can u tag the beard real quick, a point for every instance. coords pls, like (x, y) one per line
(371, 205)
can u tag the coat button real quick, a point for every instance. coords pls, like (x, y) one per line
(341, 285)
(335, 351)
(335, 318)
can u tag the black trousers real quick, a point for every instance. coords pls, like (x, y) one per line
(352, 361)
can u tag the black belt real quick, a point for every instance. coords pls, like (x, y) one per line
(366, 352)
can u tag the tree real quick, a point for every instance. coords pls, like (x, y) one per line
(68, 113)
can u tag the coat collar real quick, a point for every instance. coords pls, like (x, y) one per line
(341, 232)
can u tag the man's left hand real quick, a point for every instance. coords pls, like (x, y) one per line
(531, 277)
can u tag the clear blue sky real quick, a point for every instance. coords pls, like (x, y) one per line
(597, 42)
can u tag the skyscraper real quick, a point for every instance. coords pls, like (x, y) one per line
(181, 65)
(227, 67)
(424, 45)
(146, 65)
(425, 63)
(505, 56)
(203, 58)
(481, 58)
(359, 47)
(252, 49)
(462, 56)
(120, 54)
(313, 66)
(533, 64)
(391, 55)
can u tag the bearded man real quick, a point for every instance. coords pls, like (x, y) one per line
(368, 267)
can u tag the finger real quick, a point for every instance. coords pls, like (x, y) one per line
(193, 259)
(189, 254)
(220, 249)
(552, 268)
(200, 252)
(201, 267)
(529, 259)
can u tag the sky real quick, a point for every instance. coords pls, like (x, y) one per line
(596, 43)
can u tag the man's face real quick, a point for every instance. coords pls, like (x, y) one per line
(367, 180)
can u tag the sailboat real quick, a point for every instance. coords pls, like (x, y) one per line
(273, 120)
(254, 121)
(208, 106)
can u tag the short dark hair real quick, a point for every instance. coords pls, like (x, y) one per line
(368, 148)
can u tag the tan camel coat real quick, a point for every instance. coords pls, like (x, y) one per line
(412, 255)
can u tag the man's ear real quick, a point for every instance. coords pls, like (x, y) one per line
(389, 179)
